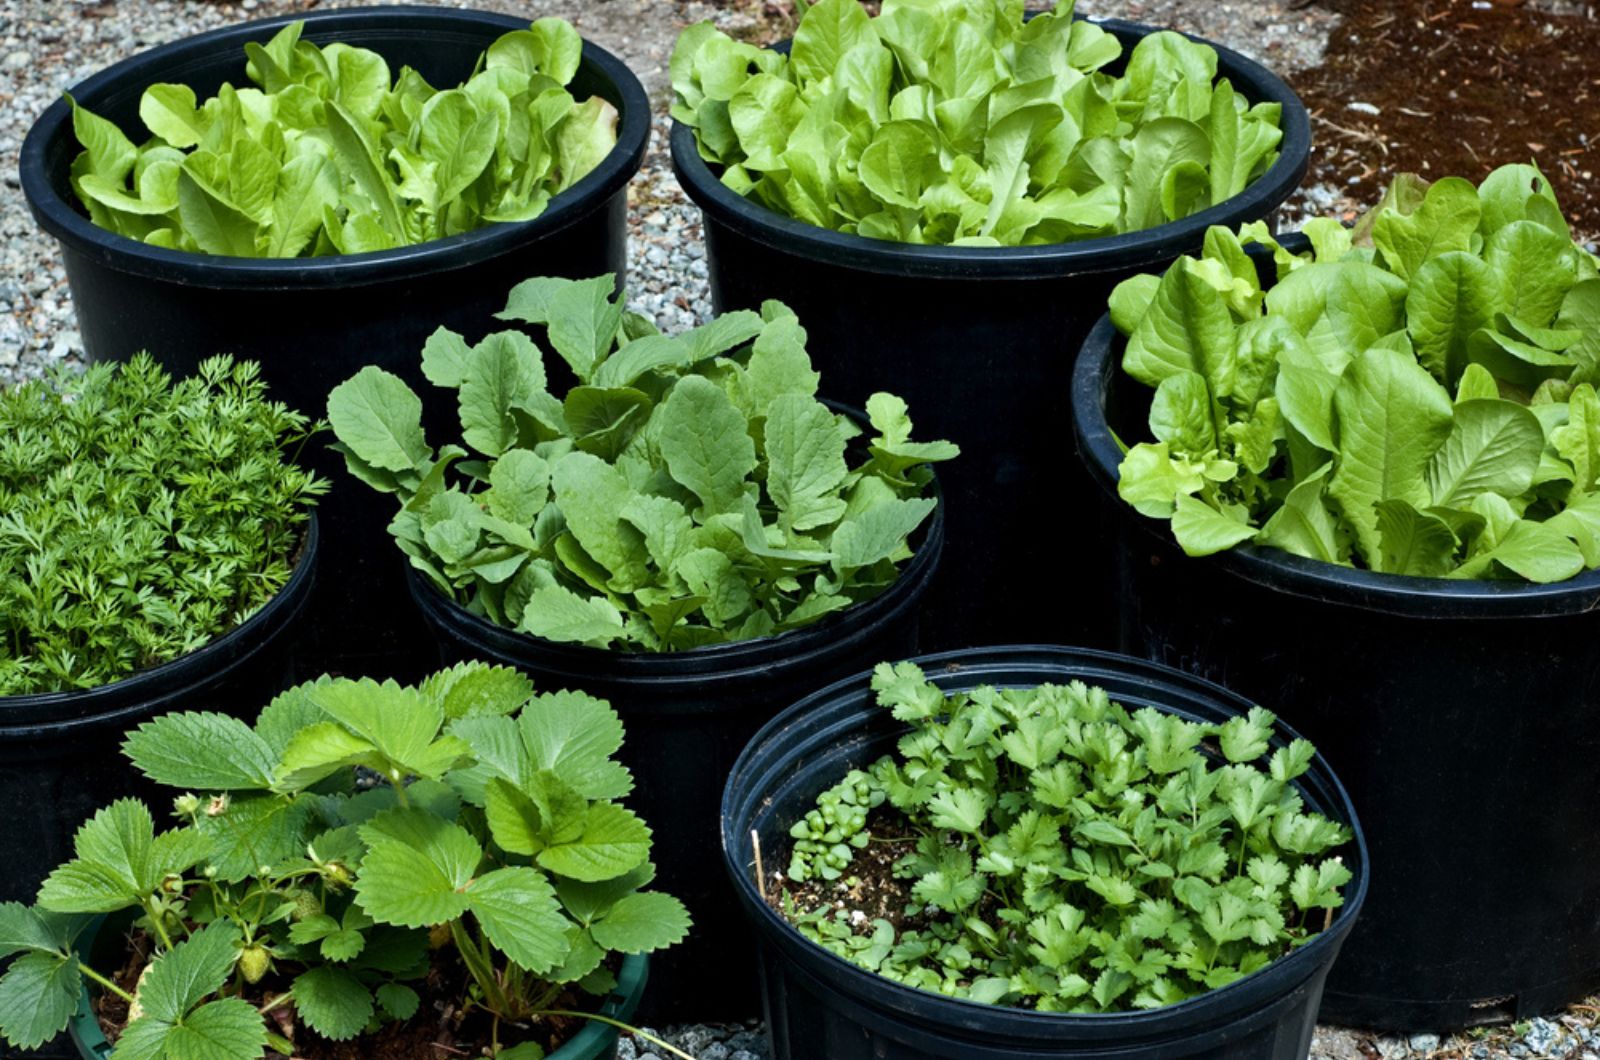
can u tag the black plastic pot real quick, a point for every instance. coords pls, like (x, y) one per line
(979, 341)
(819, 1004)
(60, 752)
(1461, 714)
(314, 322)
(688, 715)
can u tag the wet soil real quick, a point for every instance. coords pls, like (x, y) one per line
(1442, 87)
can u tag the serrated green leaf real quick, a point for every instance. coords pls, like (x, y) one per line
(613, 841)
(201, 751)
(641, 923)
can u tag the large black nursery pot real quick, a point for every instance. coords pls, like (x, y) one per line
(979, 341)
(1461, 714)
(688, 715)
(313, 322)
(820, 1005)
(60, 752)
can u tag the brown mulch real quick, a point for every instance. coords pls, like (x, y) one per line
(1459, 88)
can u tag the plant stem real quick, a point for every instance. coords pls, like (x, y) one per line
(90, 973)
(608, 1021)
(482, 971)
(155, 916)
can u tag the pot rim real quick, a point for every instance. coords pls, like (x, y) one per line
(59, 216)
(105, 703)
(1407, 595)
(952, 670)
(1131, 250)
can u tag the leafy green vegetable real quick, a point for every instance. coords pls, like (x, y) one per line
(498, 834)
(328, 156)
(954, 122)
(1061, 852)
(140, 518)
(690, 489)
(1416, 397)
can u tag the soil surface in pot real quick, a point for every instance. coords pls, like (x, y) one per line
(440, 1029)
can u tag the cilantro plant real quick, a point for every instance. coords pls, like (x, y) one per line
(330, 156)
(1413, 397)
(1060, 852)
(690, 490)
(954, 122)
(140, 517)
(287, 900)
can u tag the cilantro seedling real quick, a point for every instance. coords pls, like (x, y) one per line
(140, 517)
(690, 490)
(1054, 850)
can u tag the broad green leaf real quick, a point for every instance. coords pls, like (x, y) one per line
(574, 736)
(706, 444)
(1390, 417)
(1202, 530)
(193, 970)
(380, 419)
(518, 911)
(1451, 297)
(805, 462)
(215, 225)
(878, 532)
(642, 922)
(557, 613)
(39, 995)
(1493, 445)
(1443, 223)
(501, 374)
(416, 869)
(614, 841)
(333, 1002)
(1413, 542)
(202, 751)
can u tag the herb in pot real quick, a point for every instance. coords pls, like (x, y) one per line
(690, 490)
(1416, 396)
(956, 122)
(140, 517)
(1046, 848)
(333, 155)
(495, 871)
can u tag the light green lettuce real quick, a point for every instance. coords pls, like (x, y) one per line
(955, 122)
(328, 155)
(1416, 396)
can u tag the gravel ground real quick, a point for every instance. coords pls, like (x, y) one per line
(48, 45)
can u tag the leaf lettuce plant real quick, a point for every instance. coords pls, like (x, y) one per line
(689, 490)
(1416, 396)
(956, 122)
(328, 153)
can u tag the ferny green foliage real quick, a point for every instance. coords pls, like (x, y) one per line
(140, 517)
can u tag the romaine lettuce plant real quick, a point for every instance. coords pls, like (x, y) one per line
(1053, 850)
(1413, 397)
(329, 156)
(954, 122)
(495, 868)
(690, 490)
(140, 517)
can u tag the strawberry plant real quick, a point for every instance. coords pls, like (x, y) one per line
(140, 517)
(496, 858)
(1053, 850)
(332, 154)
(1416, 396)
(690, 490)
(956, 122)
